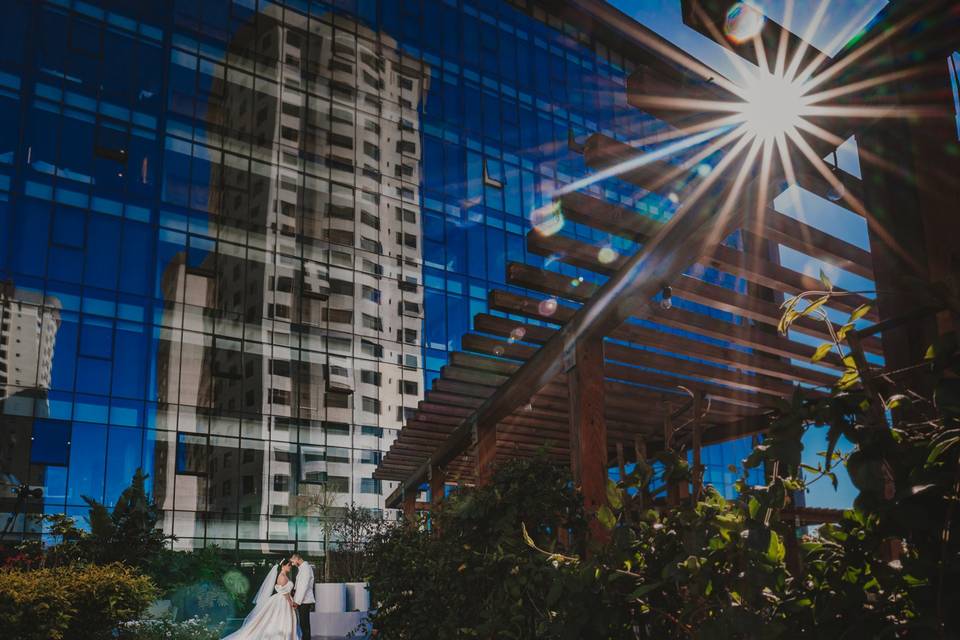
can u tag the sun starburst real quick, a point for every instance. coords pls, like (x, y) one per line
(779, 111)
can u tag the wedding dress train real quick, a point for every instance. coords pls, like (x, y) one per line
(272, 619)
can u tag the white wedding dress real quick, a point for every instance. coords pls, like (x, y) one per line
(272, 619)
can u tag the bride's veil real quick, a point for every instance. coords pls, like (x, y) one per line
(266, 589)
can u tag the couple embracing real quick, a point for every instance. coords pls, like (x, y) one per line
(283, 604)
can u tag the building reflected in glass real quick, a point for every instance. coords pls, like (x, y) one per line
(239, 240)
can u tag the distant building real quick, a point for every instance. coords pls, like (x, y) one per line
(28, 332)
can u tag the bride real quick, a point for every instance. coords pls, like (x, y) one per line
(274, 616)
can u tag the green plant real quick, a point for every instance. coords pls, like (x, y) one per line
(84, 601)
(33, 606)
(470, 575)
(169, 629)
(104, 597)
(355, 529)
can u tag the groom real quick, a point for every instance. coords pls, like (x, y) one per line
(303, 597)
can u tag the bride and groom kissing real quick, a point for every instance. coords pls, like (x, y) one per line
(283, 604)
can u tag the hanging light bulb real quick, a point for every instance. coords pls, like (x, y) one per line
(666, 298)
(836, 193)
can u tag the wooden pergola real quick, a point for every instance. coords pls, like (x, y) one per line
(613, 375)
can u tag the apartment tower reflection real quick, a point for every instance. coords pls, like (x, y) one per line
(290, 349)
(29, 322)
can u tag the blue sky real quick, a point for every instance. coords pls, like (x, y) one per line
(840, 21)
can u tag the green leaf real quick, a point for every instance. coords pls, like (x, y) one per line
(895, 401)
(941, 448)
(849, 378)
(753, 507)
(826, 281)
(859, 312)
(844, 330)
(821, 352)
(644, 589)
(776, 551)
(813, 306)
(613, 495)
(606, 517)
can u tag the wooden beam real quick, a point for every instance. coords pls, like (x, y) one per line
(743, 335)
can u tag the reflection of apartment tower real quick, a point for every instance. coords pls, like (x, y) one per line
(304, 325)
(28, 331)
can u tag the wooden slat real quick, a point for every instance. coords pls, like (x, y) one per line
(751, 268)
(673, 344)
(775, 226)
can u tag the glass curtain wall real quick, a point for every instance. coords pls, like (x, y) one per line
(239, 240)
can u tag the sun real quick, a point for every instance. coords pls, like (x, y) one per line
(773, 105)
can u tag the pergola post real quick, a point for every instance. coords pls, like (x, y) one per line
(640, 452)
(410, 506)
(486, 442)
(697, 444)
(438, 481)
(583, 362)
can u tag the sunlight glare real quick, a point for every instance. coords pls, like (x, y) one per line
(773, 105)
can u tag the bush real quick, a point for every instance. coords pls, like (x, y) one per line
(477, 578)
(168, 629)
(89, 602)
(33, 605)
(104, 597)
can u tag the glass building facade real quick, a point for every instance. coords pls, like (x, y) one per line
(238, 238)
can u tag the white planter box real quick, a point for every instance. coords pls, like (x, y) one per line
(331, 597)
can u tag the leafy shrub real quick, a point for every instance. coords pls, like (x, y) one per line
(88, 602)
(103, 597)
(168, 629)
(476, 577)
(33, 605)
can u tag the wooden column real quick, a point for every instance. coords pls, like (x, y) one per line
(676, 491)
(640, 451)
(410, 506)
(486, 442)
(697, 444)
(438, 483)
(583, 362)
(627, 501)
(672, 498)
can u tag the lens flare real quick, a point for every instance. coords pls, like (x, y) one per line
(553, 257)
(607, 254)
(744, 22)
(547, 307)
(576, 282)
(548, 219)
